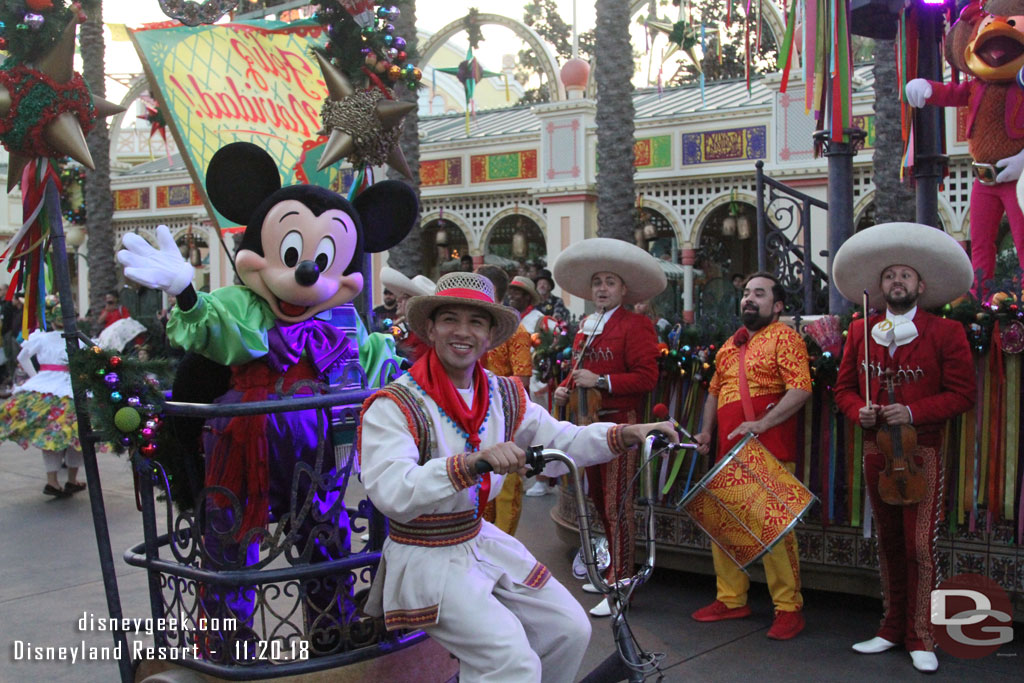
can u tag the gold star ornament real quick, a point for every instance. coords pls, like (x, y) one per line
(363, 126)
(64, 132)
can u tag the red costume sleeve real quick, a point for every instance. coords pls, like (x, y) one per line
(951, 94)
(953, 357)
(849, 396)
(641, 374)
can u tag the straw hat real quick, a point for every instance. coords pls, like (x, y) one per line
(526, 284)
(939, 260)
(399, 284)
(576, 266)
(462, 289)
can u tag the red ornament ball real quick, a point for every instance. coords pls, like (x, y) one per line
(115, 361)
(148, 450)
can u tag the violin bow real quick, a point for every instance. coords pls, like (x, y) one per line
(867, 357)
(586, 344)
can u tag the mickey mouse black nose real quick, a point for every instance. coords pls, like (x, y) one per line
(307, 273)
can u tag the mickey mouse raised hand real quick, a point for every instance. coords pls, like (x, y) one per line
(300, 255)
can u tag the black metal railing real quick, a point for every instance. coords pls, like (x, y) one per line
(784, 244)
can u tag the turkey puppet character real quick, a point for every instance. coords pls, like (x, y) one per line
(300, 255)
(987, 44)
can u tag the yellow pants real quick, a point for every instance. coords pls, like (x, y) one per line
(781, 569)
(505, 510)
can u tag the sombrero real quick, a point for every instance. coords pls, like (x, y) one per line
(640, 271)
(398, 283)
(939, 260)
(526, 284)
(462, 289)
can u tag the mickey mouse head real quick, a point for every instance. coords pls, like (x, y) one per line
(303, 245)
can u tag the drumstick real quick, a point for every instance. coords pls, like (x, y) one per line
(867, 357)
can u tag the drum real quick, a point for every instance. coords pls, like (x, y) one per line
(747, 502)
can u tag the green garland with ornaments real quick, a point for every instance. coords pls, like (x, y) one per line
(126, 402)
(28, 29)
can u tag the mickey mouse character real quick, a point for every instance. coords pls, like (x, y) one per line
(300, 255)
(987, 42)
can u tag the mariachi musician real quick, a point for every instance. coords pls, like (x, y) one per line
(762, 379)
(616, 353)
(904, 268)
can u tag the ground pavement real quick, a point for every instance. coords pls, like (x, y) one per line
(50, 577)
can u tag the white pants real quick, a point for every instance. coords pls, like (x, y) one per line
(52, 459)
(506, 633)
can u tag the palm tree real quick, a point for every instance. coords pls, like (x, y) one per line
(894, 201)
(407, 256)
(613, 74)
(99, 218)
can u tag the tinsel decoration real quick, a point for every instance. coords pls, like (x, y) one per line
(366, 48)
(31, 29)
(195, 13)
(157, 123)
(127, 402)
(357, 116)
(469, 72)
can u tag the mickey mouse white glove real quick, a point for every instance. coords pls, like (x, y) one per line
(165, 269)
(918, 92)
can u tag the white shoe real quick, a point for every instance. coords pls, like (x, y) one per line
(924, 661)
(590, 588)
(603, 609)
(538, 489)
(873, 646)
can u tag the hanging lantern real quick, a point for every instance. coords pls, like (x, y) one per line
(519, 243)
(729, 226)
(186, 247)
(638, 237)
(194, 256)
(743, 227)
(441, 239)
(75, 236)
(650, 232)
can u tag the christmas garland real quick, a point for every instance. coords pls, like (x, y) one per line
(70, 176)
(363, 44)
(126, 403)
(36, 100)
(29, 29)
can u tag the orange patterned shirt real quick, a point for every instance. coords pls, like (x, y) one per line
(512, 358)
(776, 362)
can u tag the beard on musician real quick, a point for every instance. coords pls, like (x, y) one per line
(901, 286)
(761, 304)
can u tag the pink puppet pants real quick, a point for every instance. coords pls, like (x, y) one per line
(988, 203)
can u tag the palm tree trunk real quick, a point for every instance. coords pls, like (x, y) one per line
(613, 74)
(103, 275)
(407, 256)
(894, 201)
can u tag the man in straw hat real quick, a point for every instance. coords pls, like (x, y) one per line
(905, 268)
(615, 351)
(470, 586)
(522, 296)
(762, 379)
(408, 344)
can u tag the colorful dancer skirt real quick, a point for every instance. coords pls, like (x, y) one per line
(46, 421)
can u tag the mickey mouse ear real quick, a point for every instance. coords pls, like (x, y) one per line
(387, 210)
(240, 176)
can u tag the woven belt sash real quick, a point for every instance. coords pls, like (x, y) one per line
(436, 531)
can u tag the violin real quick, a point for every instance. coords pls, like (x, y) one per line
(583, 403)
(901, 482)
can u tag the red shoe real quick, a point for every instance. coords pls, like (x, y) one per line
(719, 611)
(786, 625)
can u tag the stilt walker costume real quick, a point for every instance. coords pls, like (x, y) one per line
(931, 356)
(621, 348)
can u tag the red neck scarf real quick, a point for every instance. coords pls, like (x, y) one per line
(430, 374)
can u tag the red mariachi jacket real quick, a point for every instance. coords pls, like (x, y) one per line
(626, 351)
(944, 388)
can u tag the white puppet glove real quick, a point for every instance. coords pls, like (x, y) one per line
(165, 269)
(918, 92)
(1010, 168)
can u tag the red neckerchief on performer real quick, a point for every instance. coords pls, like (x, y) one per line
(740, 339)
(430, 374)
(526, 312)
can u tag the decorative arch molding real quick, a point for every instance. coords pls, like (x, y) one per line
(540, 48)
(528, 212)
(772, 17)
(139, 86)
(862, 205)
(669, 214)
(453, 218)
(956, 229)
(700, 220)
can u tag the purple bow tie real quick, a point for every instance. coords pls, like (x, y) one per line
(324, 343)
